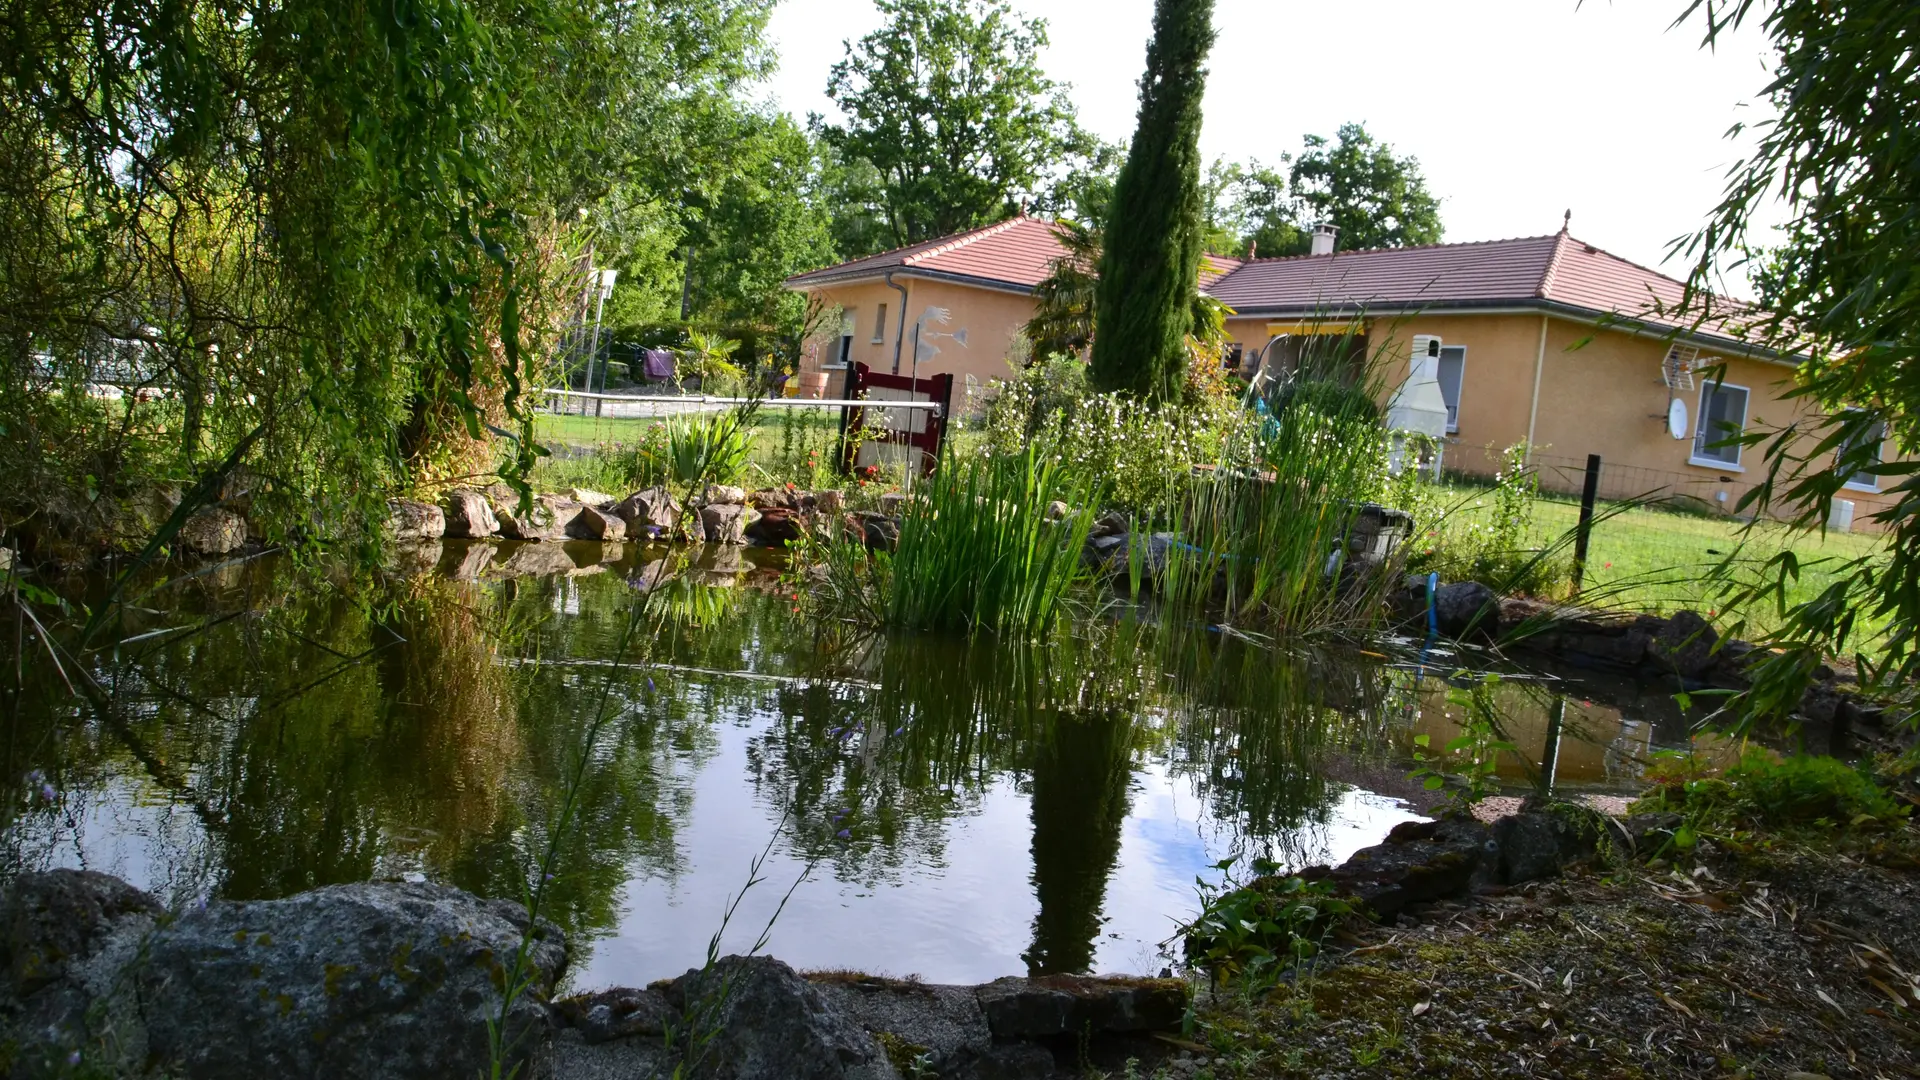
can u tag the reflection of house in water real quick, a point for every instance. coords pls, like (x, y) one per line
(1627, 753)
(1586, 743)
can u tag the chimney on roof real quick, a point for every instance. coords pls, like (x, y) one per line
(1323, 238)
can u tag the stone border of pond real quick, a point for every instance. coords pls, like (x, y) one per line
(1682, 649)
(400, 980)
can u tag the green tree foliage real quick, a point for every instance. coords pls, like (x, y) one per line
(1066, 299)
(1249, 211)
(1354, 182)
(336, 229)
(1376, 199)
(718, 200)
(1083, 191)
(948, 106)
(766, 222)
(1843, 291)
(1151, 263)
(1062, 322)
(855, 193)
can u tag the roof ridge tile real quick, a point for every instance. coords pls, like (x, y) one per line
(1384, 250)
(1545, 288)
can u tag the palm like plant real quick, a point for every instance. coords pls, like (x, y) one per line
(1062, 323)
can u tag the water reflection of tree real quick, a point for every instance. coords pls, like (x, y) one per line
(320, 738)
(1081, 766)
(1258, 725)
(326, 739)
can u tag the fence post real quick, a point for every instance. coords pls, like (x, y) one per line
(1584, 531)
(846, 417)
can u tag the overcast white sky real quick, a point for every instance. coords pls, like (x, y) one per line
(1517, 109)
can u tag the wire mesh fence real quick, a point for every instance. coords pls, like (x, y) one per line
(1661, 541)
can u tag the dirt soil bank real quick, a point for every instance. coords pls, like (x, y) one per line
(1778, 962)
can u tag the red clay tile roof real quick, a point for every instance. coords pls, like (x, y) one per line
(1536, 271)
(1549, 272)
(1215, 267)
(1018, 252)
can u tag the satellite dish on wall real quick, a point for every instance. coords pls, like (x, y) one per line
(1677, 418)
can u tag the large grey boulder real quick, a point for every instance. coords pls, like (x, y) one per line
(725, 495)
(1017, 1008)
(1466, 606)
(1685, 644)
(616, 1014)
(1417, 863)
(213, 530)
(143, 512)
(643, 511)
(775, 527)
(724, 523)
(877, 531)
(411, 519)
(1543, 838)
(546, 519)
(593, 524)
(65, 936)
(368, 980)
(53, 920)
(1151, 552)
(469, 515)
(941, 1028)
(768, 1023)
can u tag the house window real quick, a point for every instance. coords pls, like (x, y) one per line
(1723, 416)
(1453, 368)
(1231, 357)
(880, 325)
(1872, 437)
(843, 355)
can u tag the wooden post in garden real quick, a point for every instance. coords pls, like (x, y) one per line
(1584, 531)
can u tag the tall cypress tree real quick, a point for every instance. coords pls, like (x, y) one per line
(1148, 273)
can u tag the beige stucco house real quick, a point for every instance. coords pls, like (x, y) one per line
(1547, 340)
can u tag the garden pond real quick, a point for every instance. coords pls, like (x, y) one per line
(953, 809)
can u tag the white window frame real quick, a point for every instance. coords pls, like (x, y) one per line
(1700, 422)
(1871, 483)
(1459, 391)
(879, 325)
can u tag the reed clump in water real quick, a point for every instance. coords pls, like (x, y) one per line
(978, 548)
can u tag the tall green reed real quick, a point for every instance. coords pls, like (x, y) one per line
(979, 549)
(1267, 545)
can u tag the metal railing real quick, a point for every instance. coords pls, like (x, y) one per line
(777, 402)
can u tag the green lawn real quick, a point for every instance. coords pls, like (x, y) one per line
(1651, 559)
(782, 441)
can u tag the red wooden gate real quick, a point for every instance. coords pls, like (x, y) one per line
(921, 429)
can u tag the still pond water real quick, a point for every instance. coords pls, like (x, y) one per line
(957, 811)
